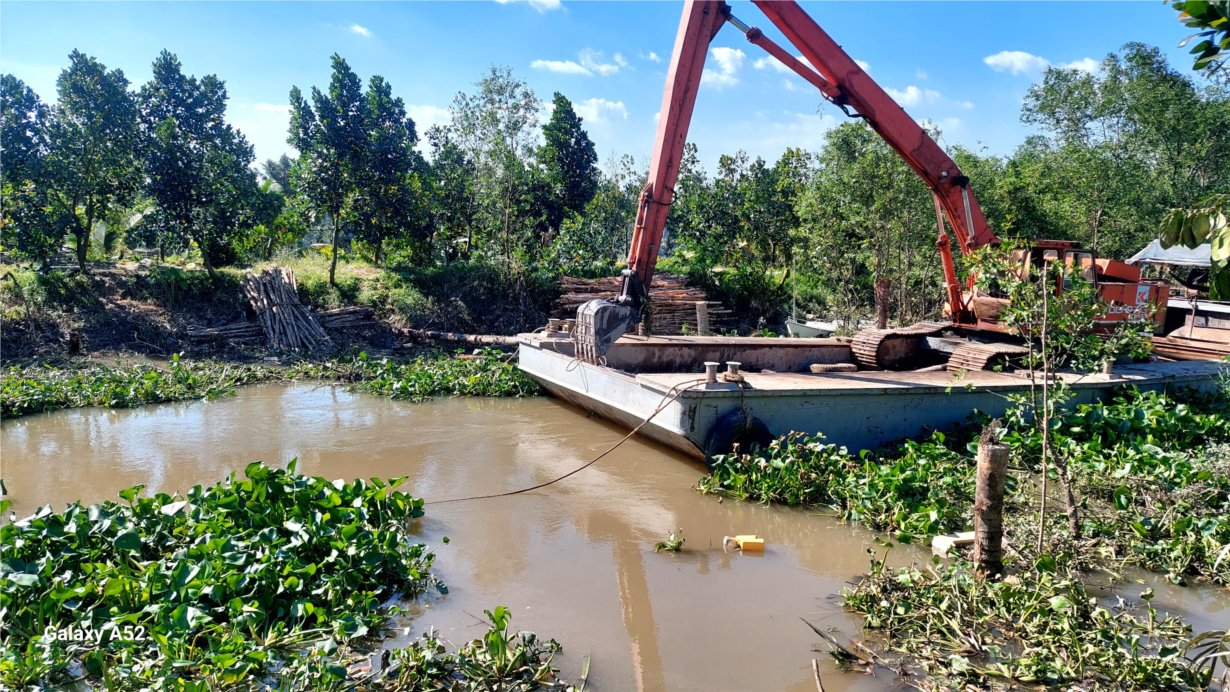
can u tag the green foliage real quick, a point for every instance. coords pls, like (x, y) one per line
(1152, 491)
(36, 389)
(922, 488)
(1034, 628)
(197, 165)
(218, 586)
(570, 160)
(500, 660)
(1206, 224)
(93, 162)
(673, 543)
(865, 215)
(1214, 17)
(488, 374)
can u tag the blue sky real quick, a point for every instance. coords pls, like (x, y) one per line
(963, 65)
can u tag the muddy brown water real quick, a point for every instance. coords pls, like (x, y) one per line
(573, 561)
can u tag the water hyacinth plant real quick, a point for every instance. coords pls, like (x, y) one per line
(1036, 629)
(206, 590)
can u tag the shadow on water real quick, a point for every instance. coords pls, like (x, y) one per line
(573, 561)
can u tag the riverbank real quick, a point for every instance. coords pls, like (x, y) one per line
(43, 386)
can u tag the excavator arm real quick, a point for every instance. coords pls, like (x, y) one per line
(842, 82)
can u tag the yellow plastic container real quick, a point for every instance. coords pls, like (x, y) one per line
(753, 543)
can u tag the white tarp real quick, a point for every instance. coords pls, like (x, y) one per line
(1178, 255)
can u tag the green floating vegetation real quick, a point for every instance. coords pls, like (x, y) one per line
(215, 585)
(1155, 488)
(274, 580)
(485, 374)
(24, 391)
(1036, 629)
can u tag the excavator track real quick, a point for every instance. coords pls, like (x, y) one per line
(976, 356)
(884, 349)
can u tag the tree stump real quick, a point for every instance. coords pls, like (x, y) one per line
(989, 502)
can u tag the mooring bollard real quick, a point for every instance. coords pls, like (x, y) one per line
(711, 368)
(989, 502)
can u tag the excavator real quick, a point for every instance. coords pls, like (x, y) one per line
(972, 314)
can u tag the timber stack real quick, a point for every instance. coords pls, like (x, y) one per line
(673, 301)
(286, 322)
(356, 317)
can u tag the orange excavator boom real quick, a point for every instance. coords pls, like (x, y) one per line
(841, 81)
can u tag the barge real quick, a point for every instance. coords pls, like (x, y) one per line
(779, 394)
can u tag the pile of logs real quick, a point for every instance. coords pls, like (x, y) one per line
(286, 322)
(357, 317)
(674, 302)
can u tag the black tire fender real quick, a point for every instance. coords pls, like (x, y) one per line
(737, 426)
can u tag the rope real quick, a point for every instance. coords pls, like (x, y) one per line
(670, 395)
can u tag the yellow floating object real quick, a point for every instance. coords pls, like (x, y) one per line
(754, 543)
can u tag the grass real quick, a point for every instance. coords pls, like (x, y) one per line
(41, 388)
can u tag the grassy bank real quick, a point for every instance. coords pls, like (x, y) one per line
(271, 579)
(77, 383)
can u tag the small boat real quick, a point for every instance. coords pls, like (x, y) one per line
(810, 329)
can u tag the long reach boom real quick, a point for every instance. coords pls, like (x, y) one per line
(841, 82)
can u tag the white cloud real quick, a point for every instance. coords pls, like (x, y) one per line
(965, 104)
(600, 110)
(1016, 62)
(1084, 65)
(657, 116)
(360, 30)
(912, 96)
(921, 74)
(540, 5)
(619, 59)
(863, 64)
(426, 116)
(561, 66)
(593, 60)
(793, 129)
(729, 62)
(272, 108)
(651, 57)
(788, 85)
(1020, 62)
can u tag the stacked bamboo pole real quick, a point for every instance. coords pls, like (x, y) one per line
(286, 322)
(673, 301)
(357, 317)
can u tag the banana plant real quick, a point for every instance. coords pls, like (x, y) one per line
(1195, 227)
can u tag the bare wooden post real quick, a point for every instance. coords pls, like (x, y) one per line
(989, 502)
(883, 296)
(702, 318)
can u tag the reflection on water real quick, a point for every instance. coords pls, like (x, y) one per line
(573, 561)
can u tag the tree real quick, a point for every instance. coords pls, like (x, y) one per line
(30, 219)
(332, 142)
(388, 203)
(92, 163)
(279, 172)
(570, 160)
(452, 194)
(866, 217)
(1124, 144)
(496, 127)
(1213, 16)
(199, 174)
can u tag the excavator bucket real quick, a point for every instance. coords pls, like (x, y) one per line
(599, 324)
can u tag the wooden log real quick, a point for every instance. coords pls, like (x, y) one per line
(989, 502)
(472, 339)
